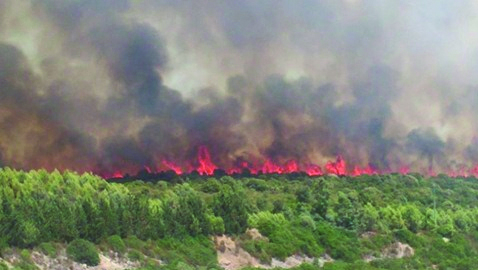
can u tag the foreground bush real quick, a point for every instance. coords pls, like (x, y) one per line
(116, 243)
(82, 251)
(48, 249)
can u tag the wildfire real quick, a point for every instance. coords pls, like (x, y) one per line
(172, 166)
(338, 167)
(204, 165)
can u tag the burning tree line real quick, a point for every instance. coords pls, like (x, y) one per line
(206, 167)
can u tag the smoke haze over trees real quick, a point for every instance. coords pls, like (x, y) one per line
(103, 85)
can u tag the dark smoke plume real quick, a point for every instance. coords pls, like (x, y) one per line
(427, 143)
(119, 85)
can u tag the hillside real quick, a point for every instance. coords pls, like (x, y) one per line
(192, 222)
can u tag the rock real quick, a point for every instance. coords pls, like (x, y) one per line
(232, 257)
(398, 250)
(254, 234)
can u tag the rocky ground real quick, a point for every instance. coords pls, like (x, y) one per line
(110, 261)
(229, 254)
(232, 257)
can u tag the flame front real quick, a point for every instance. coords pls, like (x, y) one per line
(206, 166)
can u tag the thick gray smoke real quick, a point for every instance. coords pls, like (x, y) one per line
(121, 84)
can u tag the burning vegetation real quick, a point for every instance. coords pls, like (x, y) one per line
(114, 87)
(206, 167)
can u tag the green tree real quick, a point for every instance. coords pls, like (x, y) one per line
(370, 218)
(232, 205)
(83, 251)
(412, 217)
(392, 217)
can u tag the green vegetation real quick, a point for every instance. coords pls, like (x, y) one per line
(347, 218)
(135, 255)
(83, 251)
(48, 249)
(116, 244)
(25, 255)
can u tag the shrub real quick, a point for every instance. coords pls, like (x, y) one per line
(25, 255)
(83, 251)
(257, 248)
(232, 204)
(307, 221)
(25, 266)
(217, 224)
(3, 266)
(48, 249)
(278, 206)
(197, 251)
(183, 266)
(257, 184)
(135, 255)
(7, 251)
(211, 186)
(152, 263)
(266, 222)
(134, 243)
(340, 244)
(29, 234)
(116, 243)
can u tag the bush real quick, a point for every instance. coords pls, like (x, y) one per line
(307, 221)
(257, 248)
(217, 224)
(25, 255)
(25, 266)
(7, 251)
(211, 186)
(135, 255)
(197, 251)
(116, 243)
(339, 243)
(183, 266)
(134, 242)
(3, 266)
(232, 205)
(266, 222)
(83, 251)
(257, 184)
(48, 249)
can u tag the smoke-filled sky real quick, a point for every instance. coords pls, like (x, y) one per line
(117, 84)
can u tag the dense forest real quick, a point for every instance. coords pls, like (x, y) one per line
(348, 218)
